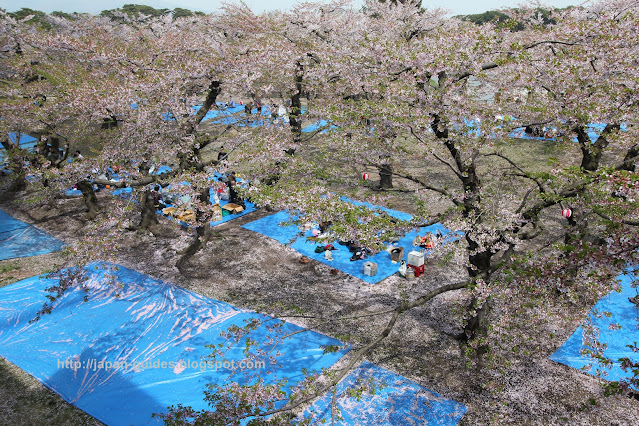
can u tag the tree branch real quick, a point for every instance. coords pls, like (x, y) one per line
(359, 355)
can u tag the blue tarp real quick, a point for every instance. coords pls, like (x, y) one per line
(270, 226)
(221, 112)
(140, 323)
(231, 115)
(19, 239)
(399, 402)
(625, 314)
(317, 125)
(248, 206)
(236, 115)
(26, 142)
(72, 192)
(593, 130)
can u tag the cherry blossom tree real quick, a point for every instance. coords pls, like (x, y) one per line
(399, 89)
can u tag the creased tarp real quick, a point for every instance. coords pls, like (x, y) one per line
(270, 226)
(136, 319)
(625, 314)
(399, 402)
(19, 239)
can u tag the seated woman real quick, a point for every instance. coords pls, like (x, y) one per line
(157, 198)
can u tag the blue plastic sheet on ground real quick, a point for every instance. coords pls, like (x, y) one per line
(248, 206)
(125, 192)
(318, 125)
(72, 192)
(221, 112)
(19, 239)
(26, 142)
(162, 169)
(520, 133)
(624, 314)
(270, 226)
(235, 115)
(549, 134)
(399, 402)
(140, 323)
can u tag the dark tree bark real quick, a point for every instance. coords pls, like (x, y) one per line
(592, 151)
(480, 261)
(90, 200)
(385, 176)
(630, 159)
(19, 178)
(203, 232)
(148, 216)
(190, 159)
(295, 117)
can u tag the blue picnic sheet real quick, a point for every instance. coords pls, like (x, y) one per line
(271, 227)
(396, 401)
(19, 239)
(155, 332)
(615, 331)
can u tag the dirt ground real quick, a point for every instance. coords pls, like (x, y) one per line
(252, 271)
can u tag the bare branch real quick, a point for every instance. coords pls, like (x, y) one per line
(359, 355)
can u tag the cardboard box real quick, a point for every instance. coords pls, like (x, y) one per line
(397, 254)
(370, 268)
(233, 208)
(217, 213)
(415, 258)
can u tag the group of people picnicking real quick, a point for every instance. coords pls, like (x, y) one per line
(426, 242)
(178, 206)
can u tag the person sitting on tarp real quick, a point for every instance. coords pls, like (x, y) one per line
(427, 242)
(234, 198)
(167, 196)
(157, 198)
(232, 103)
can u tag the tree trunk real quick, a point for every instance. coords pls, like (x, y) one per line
(630, 159)
(592, 151)
(90, 200)
(19, 182)
(295, 117)
(148, 216)
(16, 165)
(385, 176)
(203, 233)
(190, 158)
